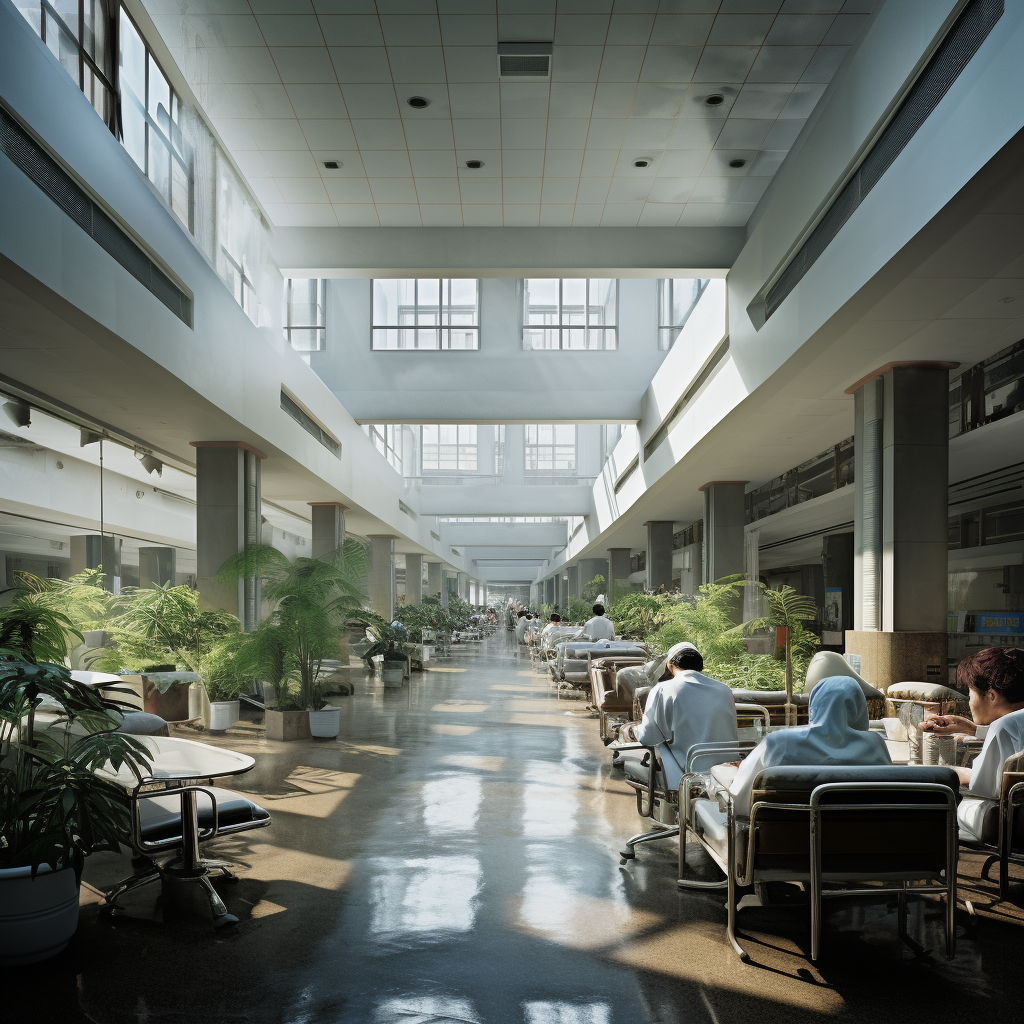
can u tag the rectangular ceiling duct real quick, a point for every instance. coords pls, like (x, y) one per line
(524, 60)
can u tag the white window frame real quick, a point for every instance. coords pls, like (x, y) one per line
(321, 315)
(466, 454)
(537, 447)
(443, 331)
(609, 331)
(668, 332)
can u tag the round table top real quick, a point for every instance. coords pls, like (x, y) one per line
(180, 759)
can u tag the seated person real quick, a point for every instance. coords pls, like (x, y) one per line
(837, 734)
(556, 620)
(688, 708)
(994, 679)
(600, 627)
(522, 622)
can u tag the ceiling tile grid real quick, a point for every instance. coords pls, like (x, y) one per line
(291, 85)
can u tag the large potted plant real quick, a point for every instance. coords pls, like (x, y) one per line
(164, 624)
(388, 640)
(224, 679)
(54, 807)
(312, 601)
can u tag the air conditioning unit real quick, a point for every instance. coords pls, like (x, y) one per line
(530, 61)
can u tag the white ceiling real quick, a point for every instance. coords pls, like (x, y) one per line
(290, 84)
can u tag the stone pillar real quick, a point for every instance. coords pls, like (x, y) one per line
(435, 581)
(414, 579)
(573, 573)
(659, 556)
(463, 586)
(618, 569)
(724, 517)
(157, 567)
(94, 551)
(752, 570)
(328, 527)
(901, 472)
(549, 591)
(591, 567)
(382, 575)
(445, 580)
(228, 521)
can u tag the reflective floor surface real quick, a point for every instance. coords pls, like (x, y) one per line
(454, 858)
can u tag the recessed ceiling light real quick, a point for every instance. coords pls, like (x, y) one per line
(474, 164)
(737, 163)
(419, 102)
(714, 99)
(641, 163)
(331, 165)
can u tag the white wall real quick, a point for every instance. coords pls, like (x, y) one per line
(498, 383)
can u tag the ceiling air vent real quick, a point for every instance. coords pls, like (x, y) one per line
(524, 60)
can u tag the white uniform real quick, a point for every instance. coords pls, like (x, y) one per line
(521, 629)
(600, 627)
(1005, 736)
(688, 708)
(837, 734)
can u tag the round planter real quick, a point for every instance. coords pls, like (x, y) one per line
(325, 724)
(37, 915)
(393, 673)
(224, 714)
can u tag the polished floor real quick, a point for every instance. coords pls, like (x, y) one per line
(454, 858)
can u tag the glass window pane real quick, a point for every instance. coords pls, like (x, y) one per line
(427, 338)
(97, 94)
(33, 13)
(95, 34)
(67, 11)
(62, 46)
(602, 339)
(428, 302)
(602, 309)
(540, 338)
(574, 301)
(461, 294)
(461, 338)
(541, 299)
(575, 338)
(385, 302)
(180, 193)
(159, 163)
(306, 340)
(159, 95)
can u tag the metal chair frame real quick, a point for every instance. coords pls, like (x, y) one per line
(1002, 852)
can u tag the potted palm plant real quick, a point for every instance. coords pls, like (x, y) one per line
(388, 642)
(55, 807)
(313, 601)
(224, 679)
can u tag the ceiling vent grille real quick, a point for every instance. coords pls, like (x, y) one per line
(524, 60)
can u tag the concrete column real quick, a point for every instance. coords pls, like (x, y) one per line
(228, 521)
(445, 582)
(591, 567)
(618, 568)
(94, 551)
(752, 570)
(382, 575)
(573, 573)
(724, 517)
(435, 579)
(901, 472)
(462, 585)
(659, 556)
(549, 591)
(414, 579)
(157, 567)
(328, 527)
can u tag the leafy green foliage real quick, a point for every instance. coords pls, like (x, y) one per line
(81, 600)
(313, 601)
(639, 616)
(32, 632)
(55, 809)
(706, 621)
(593, 588)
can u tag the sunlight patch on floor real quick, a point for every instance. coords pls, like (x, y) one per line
(439, 668)
(370, 748)
(487, 764)
(268, 863)
(443, 729)
(529, 719)
(460, 708)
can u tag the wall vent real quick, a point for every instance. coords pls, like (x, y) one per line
(524, 60)
(43, 170)
(402, 507)
(954, 53)
(310, 425)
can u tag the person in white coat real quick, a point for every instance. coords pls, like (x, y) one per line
(600, 627)
(521, 626)
(689, 708)
(837, 734)
(994, 680)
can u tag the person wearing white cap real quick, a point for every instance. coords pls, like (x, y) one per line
(837, 734)
(688, 708)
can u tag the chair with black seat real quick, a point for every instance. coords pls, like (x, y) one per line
(654, 798)
(162, 846)
(835, 828)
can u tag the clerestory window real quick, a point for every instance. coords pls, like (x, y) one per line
(305, 322)
(425, 314)
(677, 298)
(449, 448)
(570, 313)
(550, 448)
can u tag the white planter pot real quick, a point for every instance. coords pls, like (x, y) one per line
(37, 916)
(393, 673)
(224, 714)
(325, 724)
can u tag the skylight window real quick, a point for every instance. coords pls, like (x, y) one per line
(677, 299)
(426, 314)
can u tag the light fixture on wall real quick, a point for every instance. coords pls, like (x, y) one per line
(20, 413)
(150, 463)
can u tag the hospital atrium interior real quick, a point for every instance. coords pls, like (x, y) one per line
(511, 511)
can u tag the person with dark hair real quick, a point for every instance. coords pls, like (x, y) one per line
(600, 627)
(521, 626)
(556, 620)
(688, 708)
(994, 680)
